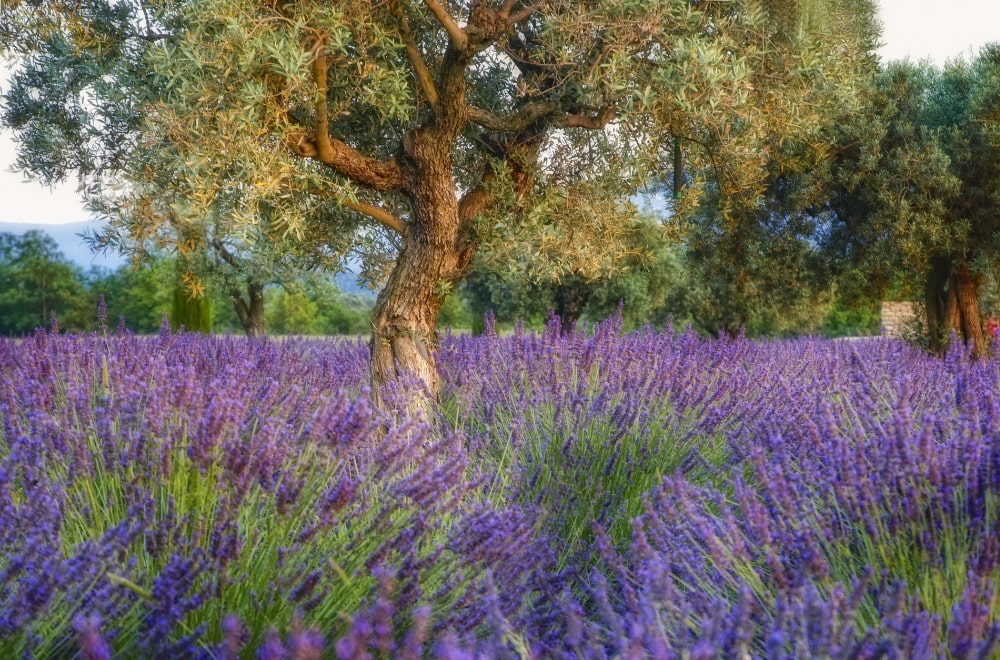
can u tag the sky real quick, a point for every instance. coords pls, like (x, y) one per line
(916, 29)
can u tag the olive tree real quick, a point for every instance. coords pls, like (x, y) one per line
(419, 133)
(915, 190)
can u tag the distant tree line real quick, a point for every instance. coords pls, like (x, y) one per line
(37, 282)
(660, 281)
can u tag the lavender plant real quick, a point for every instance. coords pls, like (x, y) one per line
(151, 487)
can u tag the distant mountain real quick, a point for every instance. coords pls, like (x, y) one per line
(68, 237)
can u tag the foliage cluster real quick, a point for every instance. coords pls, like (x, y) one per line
(592, 493)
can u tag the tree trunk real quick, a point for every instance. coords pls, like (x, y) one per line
(404, 320)
(967, 299)
(250, 310)
(570, 299)
(936, 292)
(952, 301)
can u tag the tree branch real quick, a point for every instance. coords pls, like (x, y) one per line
(339, 156)
(457, 35)
(372, 211)
(346, 161)
(519, 16)
(156, 36)
(319, 71)
(593, 122)
(380, 214)
(420, 69)
(226, 255)
(528, 115)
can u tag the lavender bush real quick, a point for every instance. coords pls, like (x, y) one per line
(589, 493)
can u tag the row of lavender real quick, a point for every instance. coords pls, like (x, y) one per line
(581, 494)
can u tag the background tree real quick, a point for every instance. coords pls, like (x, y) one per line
(78, 103)
(240, 265)
(426, 132)
(138, 296)
(647, 281)
(915, 190)
(754, 265)
(37, 282)
(751, 256)
(313, 305)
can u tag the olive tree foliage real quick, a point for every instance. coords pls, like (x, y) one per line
(753, 258)
(738, 220)
(78, 102)
(419, 133)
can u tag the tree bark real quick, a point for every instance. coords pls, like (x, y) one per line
(966, 285)
(951, 297)
(404, 321)
(250, 310)
(935, 302)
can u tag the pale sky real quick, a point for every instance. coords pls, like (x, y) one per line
(917, 29)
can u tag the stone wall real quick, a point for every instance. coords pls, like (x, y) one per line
(896, 316)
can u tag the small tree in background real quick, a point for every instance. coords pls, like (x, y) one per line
(139, 296)
(37, 283)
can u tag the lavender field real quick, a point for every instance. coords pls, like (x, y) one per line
(586, 494)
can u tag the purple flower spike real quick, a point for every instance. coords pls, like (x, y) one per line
(92, 643)
(272, 648)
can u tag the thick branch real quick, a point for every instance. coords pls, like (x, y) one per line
(339, 156)
(380, 214)
(519, 16)
(319, 70)
(594, 122)
(457, 35)
(226, 255)
(350, 163)
(528, 115)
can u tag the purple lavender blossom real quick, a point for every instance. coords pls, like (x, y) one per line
(588, 493)
(92, 644)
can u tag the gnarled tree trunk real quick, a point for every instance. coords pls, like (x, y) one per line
(571, 298)
(404, 320)
(967, 301)
(250, 309)
(952, 301)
